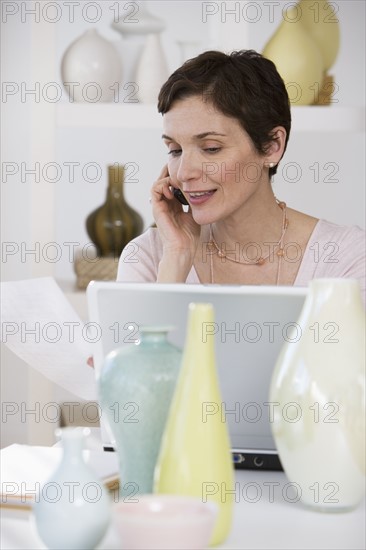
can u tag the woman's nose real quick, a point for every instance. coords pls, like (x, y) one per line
(190, 168)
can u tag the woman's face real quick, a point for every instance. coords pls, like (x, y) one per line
(211, 159)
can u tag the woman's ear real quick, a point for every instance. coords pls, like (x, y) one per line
(276, 147)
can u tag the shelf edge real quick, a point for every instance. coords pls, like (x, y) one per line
(109, 115)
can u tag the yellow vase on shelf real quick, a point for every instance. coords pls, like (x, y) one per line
(195, 456)
(298, 59)
(320, 19)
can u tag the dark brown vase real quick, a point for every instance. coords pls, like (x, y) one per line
(114, 224)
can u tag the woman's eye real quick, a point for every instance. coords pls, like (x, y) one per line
(212, 149)
(174, 152)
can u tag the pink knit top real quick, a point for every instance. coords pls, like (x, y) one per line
(332, 251)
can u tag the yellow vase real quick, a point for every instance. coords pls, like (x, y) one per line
(321, 21)
(195, 457)
(297, 57)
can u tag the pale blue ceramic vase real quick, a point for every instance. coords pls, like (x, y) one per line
(136, 387)
(73, 509)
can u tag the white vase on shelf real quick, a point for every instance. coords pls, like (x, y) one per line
(90, 69)
(138, 50)
(138, 20)
(129, 49)
(152, 70)
(318, 396)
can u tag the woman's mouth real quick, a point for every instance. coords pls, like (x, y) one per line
(199, 197)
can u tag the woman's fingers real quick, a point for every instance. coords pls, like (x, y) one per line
(162, 187)
(164, 173)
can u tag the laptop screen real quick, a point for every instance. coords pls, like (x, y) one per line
(251, 325)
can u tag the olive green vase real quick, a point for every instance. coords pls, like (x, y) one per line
(114, 224)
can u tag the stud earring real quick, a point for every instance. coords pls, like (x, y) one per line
(271, 164)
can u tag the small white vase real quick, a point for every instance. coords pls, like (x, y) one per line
(90, 69)
(318, 398)
(152, 70)
(73, 508)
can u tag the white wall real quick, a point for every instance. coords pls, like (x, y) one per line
(15, 217)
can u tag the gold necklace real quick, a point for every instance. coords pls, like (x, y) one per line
(214, 248)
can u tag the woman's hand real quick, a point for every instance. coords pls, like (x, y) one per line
(177, 229)
(90, 362)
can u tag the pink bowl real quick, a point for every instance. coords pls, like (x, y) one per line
(165, 522)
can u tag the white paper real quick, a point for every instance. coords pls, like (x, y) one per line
(40, 326)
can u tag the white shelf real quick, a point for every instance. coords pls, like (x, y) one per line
(111, 115)
(107, 115)
(328, 119)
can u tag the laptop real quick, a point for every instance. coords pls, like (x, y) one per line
(251, 325)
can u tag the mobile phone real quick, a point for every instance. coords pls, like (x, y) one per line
(179, 195)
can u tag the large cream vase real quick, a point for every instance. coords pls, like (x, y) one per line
(318, 397)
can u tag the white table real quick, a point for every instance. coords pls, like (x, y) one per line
(262, 520)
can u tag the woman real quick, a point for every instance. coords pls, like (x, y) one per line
(226, 124)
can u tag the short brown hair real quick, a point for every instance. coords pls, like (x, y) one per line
(243, 84)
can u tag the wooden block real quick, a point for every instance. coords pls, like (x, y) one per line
(326, 91)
